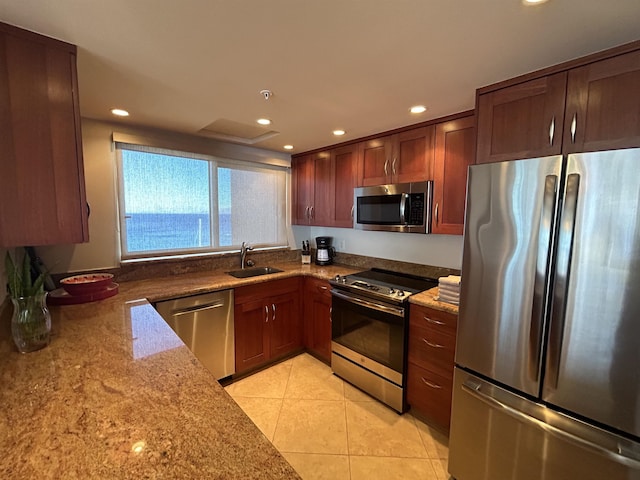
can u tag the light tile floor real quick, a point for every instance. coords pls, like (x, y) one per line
(328, 429)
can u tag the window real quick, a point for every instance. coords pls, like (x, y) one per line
(176, 203)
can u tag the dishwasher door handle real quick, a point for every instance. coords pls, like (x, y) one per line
(197, 308)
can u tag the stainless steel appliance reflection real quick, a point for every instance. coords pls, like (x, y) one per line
(369, 316)
(546, 384)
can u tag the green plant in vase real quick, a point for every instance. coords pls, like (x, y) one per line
(31, 321)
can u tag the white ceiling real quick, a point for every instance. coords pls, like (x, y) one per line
(352, 64)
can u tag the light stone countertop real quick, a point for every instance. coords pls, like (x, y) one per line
(428, 299)
(117, 394)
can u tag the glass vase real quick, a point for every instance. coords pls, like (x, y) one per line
(31, 322)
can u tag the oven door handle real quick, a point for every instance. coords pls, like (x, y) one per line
(397, 311)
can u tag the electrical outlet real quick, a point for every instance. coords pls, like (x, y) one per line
(343, 244)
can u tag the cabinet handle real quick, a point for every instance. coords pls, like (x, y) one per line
(437, 207)
(435, 322)
(386, 163)
(311, 212)
(266, 314)
(432, 345)
(393, 166)
(552, 129)
(323, 287)
(273, 309)
(574, 126)
(306, 212)
(352, 207)
(430, 384)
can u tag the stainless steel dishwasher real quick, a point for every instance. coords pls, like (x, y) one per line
(205, 324)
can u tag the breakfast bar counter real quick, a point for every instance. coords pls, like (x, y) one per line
(118, 395)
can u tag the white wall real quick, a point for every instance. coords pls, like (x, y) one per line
(436, 250)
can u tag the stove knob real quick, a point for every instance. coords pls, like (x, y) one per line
(392, 291)
(400, 293)
(337, 278)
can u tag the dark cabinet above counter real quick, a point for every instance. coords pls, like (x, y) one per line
(323, 181)
(42, 190)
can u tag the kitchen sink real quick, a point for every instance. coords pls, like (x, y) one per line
(253, 272)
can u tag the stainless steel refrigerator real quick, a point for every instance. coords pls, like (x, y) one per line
(547, 379)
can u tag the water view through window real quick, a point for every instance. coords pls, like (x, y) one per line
(172, 204)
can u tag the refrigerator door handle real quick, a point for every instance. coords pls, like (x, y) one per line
(474, 389)
(561, 282)
(547, 226)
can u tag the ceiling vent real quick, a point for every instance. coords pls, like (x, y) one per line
(228, 130)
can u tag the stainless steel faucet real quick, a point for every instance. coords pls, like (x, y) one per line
(243, 255)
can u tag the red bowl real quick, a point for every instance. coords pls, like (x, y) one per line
(87, 284)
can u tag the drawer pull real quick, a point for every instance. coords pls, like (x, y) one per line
(430, 384)
(435, 322)
(432, 345)
(323, 287)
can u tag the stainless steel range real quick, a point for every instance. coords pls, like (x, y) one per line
(369, 331)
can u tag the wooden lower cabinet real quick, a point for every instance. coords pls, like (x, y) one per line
(317, 318)
(267, 319)
(432, 336)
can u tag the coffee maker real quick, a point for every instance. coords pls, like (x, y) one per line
(324, 251)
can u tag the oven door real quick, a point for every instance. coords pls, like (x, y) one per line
(370, 329)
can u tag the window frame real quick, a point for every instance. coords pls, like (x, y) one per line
(215, 162)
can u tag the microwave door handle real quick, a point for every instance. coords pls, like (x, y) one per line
(403, 208)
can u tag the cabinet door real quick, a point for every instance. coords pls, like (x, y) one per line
(318, 318)
(413, 158)
(285, 324)
(455, 142)
(42, 191)
(345, 179)
(522, 121)
(603, 102)
(302, 189)
(251, 339)
(375, 158)
(322, 204)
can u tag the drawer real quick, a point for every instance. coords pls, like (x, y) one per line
(429, 395)
(434, 351)
(316, 285)
(431, 318)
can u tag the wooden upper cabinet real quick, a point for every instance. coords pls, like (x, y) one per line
(399, 158)
(375, 160)
(302, 189)
(521, 121)
(344, 162)
(413, 159)
(454, 152)
(588, 104)
(603, 102)
(42, 190)
(323, 180)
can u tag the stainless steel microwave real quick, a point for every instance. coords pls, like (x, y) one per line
(399, 207)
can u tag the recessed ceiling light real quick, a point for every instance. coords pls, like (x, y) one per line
(119, 112)
(338, 133)
(264, 121)
(418, 109)
(288, 147)
(533, 2)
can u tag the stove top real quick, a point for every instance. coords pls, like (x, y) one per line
(386, 285)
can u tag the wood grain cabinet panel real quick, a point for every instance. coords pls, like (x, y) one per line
(454, 152)
(522, 121)
(42, 190)
(317, 318)
(586, 105)
(267, 322)
(603, 104)
(432, 336)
